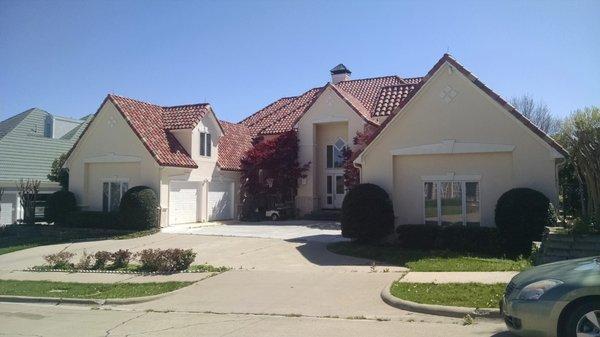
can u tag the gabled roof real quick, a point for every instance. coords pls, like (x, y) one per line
(422, 81)
(25, 150)
(236, 140)
(184, 116)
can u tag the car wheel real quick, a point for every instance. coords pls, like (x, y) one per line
(584, 320)
(274, 217)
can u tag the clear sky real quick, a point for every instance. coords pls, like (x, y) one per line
(65, 56)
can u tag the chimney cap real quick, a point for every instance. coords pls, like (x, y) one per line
(340, 69)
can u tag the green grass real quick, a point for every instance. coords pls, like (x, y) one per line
(472, 295)
(207, 268)
(417, 260)
(86, 290)
(17, 237)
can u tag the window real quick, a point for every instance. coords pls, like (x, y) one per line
(112, 191)
(339, 184)
(451, 202)
(205, 144)
(335, 158)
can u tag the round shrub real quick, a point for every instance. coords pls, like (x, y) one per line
(367, 213)
(521, 215)
(139, 208)
(58, 205)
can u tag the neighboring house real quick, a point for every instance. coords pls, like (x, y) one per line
(29, 143)
(446, 148)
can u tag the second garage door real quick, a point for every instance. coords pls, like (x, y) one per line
(220, 201)
(183, 198)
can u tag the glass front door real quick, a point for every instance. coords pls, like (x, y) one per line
(335, 189)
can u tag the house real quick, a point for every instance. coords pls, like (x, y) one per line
(444, 146)
(29, 143)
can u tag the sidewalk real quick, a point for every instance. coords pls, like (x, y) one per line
(459, 277)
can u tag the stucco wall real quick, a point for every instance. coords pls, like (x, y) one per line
(326, 115)
(471, 117)
(108, 150)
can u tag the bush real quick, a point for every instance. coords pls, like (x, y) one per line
(521, 216)
(166, 260)
(102, 258)
(121, 258)
(139, 208)
(92, 220)
(60, 260)
(456, 238)
(367, 213)
(58, 206)
(85, 261)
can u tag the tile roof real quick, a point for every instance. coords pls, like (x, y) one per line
(25, 151)
(390, 98)
(150, 123)
(367, 90)
(184, 116)
(236, 140)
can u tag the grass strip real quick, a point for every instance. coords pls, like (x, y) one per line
(472, 295)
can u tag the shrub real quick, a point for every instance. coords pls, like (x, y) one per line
(60, 260)
(367, 213)
(85, 261)
(139, 208)
(521, 216)
(166, 260)
(92, 220)
(58, 206)
(102, 258)
(121, 258)
(456, 238)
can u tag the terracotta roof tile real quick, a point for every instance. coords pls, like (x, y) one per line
(367, 90)
(184, 116)
(392, 97)
(236, 140)
(148, 122)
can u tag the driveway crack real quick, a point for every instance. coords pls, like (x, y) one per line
(109, 331)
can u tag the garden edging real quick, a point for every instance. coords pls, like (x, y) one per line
(439, 310)
(81, 301)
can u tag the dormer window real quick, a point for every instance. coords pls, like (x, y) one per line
(205, 144)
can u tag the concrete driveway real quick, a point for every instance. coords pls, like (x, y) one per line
(299, 230)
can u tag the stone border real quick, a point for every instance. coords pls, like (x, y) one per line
(439, 310)
(94, 271)
(81, 301)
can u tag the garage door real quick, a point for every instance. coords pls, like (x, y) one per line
(183, 200)
(220, 201)
(6, 210)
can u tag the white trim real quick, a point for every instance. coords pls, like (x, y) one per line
(463, 195)
(112, 158)
(331, 119)
(112, 180)
(452, 147)
(450, 176)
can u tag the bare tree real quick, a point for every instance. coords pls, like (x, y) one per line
(28, 192)
(538, 113)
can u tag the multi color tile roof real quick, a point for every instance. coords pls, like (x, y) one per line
(236, 140)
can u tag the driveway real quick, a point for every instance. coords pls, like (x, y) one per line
(298, 230)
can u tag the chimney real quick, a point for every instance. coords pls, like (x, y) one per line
(340, 73)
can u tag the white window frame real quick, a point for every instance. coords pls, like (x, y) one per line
(113, 180)
(207, 150)
(451, 178)
(333, 148)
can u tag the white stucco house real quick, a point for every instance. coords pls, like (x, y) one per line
(445, 148)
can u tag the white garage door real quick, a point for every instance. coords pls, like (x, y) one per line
(183, 200)
(220, 201)
(6, 210)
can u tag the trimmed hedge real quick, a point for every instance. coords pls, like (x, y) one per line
(456, 238)
(58, 206)
(139, 208)
(521, 216)
(90, 219)
(367, 213)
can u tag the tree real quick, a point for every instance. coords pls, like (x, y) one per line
(360, 141)
(581, 137)
(538, 113)
(58, 173)
(28, 192)
(271, 167)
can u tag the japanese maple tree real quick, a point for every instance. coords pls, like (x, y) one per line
(360, 141)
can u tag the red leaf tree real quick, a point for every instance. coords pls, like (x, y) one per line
(360, 141)
(271, 168)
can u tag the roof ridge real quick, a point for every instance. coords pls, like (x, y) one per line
(134, 99)
(267, 106)
(308, 103)
(184, 105)
(370, 78)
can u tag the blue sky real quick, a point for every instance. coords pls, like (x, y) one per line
(65, 56)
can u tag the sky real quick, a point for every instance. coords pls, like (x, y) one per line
(66, 56)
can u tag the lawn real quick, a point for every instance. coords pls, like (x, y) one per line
(17, 237)
(417, 260)
(86, 290)
(472, 295)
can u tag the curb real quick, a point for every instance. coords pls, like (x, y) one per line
(80, 301)
(439, 310)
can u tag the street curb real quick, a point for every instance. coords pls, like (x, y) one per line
(81, 301)
(439, 310)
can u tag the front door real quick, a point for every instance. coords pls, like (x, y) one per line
(335, 190)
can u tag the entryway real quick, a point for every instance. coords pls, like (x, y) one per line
(335, 191)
